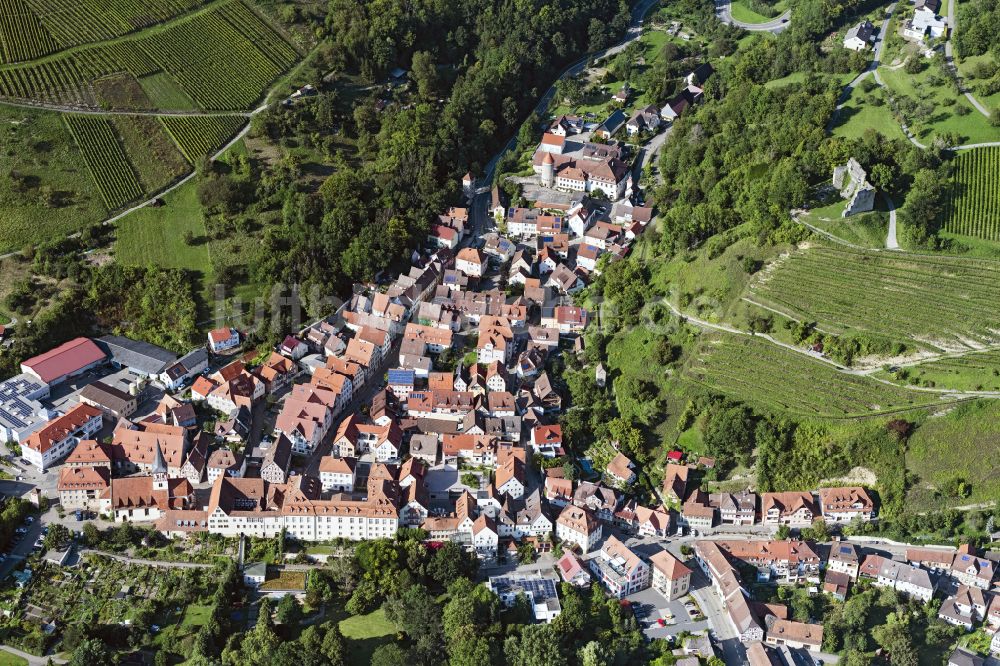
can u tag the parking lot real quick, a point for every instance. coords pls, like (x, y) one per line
(651, 606)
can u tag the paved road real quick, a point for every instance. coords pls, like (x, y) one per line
(870, 69)
(723, 10)
(890, 240)
(950, 60)
(32, 659)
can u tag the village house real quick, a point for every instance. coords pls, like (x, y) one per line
(619, 569)
(964, 608)
(669, 575)
(337, 474)
(57, 438)
(276, 460)
(546, 440)
(113, 402)
(842, 505)
(558, 489)
(223, 339)
(470, 261)
(84, 487)
(620, 471)
(796, 635)
(735, 508)
(788, 561)
(603, 501)
(796, 509)
(860, 36)
(907, 579)
(577, 526)
(224, 461)
(572, 570)
(844, 559)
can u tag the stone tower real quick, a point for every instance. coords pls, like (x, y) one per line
(548, 170)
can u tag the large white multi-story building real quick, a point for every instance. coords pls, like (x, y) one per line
(57, 438)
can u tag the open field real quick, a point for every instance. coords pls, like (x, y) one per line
(960, 444)
(156, 235)
(199, 136)
(863, 111)
(222, 57)
(936, 301)
(931, 90)
(978, 371)
(106, 158)
(151, 151)
(973, 208)
(762, 373)
(46, 189)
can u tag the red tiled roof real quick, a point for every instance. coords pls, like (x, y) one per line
(66, 359)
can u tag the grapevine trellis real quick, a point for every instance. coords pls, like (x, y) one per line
(973, 206)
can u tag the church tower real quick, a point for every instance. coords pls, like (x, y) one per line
(159, 470)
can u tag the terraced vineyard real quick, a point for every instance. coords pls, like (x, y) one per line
(201, 135)
(973, 207)
(941, 302)
(75, 22)
(978, 371)
(22, 36)
(106, 158)
(759, 372)
(223, 58)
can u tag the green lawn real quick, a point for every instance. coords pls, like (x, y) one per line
(866, 229)
(859, 113)
(965, 67)
(196, 615)
(930, 87)
(164, 92)
(286, 580)
(365, 633)
(156, 235)
(960, 444)
(742, 12)
(37, 146)
(8, 659)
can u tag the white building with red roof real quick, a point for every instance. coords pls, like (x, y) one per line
(57, 438)
(670, 577)
(222, 339)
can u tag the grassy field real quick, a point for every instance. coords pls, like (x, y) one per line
(741, 12)
(54, 194)
(978, 371)
(865, 229)
(939, 302)
(966, 67)
(859, 114)
(365, 633)
(759, 372)
(154, 155)
(164, 92)
(8, 659)
(959, 444)
(973, 208)
(931, 88)
(156, 235)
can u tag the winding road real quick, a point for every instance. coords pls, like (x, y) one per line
(723, 11)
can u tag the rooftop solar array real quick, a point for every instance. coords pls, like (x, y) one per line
(18, 409)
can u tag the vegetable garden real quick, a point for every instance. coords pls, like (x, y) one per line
(973, 208)
(759, 372)
(201, 135)
(222, 58)
(105, 156)
(935, 301)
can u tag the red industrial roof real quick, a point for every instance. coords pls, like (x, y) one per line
(66, 359)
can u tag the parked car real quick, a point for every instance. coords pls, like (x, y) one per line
(29, 520)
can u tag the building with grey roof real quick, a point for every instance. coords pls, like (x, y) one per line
(142, 358)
